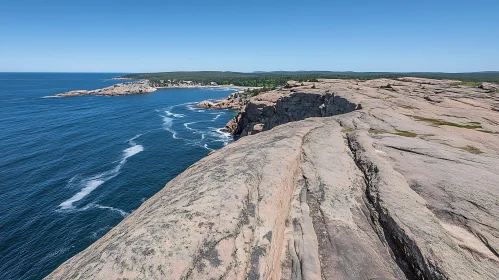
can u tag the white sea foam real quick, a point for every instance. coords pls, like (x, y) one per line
(131, 141)
(90, 184)
(186, 125)
(223, 136)
(167, 125)
(51, 96)
(89, 187)
(133, 151)
(121, 212)
(98, 206)
(216, 117)
(208, 148)
(168, 113)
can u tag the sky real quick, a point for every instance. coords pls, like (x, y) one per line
(153, 36)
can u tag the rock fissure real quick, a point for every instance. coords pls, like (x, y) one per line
(397, 243)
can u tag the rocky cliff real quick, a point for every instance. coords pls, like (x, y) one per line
(401, 181)
(235, 101)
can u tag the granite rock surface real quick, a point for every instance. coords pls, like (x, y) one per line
(380, 179)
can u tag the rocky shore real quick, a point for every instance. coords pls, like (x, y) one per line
(115, 90)
(145, 86)
(235, 101)
(344, 179)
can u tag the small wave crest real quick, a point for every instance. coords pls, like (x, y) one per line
(168, 113)
(167, 125)
(93, 182)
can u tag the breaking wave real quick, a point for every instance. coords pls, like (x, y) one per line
(93, 182)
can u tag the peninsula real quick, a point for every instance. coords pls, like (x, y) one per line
(114, 90)
(391, 178)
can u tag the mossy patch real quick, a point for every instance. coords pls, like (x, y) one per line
(470, 84)
(454, 116)
(488, 131)
(376, 131)
(347, 130)
(471, 149)
(405, 133)
(407, 107)
(438, 122)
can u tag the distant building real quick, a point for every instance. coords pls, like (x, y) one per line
(213, 84)
(188, 82)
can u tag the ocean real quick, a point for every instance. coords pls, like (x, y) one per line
(73, 168)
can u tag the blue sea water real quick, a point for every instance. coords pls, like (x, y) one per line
(72, 168)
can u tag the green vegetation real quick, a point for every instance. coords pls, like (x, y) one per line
(407, 107)
(454, 116)
(471, 149)
(376, 131)
(469, 83)
(257, 91)
(279, 78)
(488, 131)
(437, 122)
(405, 133)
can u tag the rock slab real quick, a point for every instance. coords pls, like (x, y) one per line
(391, 186)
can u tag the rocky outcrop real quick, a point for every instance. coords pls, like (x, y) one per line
(117, 89)
(404, 188)
(235, 101)
(268, 110)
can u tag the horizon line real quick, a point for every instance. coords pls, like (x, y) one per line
(248, 72)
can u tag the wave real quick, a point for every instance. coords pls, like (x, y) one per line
(121, 212)
(99, 206)
(92, 183)
(167, 125)
(51, 96)
(192, 108)
(223, 136)
(186, 125)
(168, 113)
(208, 148)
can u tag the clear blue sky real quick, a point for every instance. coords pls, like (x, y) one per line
(149, 36)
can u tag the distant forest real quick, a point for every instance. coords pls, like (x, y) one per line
(273, 79)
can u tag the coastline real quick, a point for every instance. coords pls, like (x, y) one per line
(141, 87)
(392, 150)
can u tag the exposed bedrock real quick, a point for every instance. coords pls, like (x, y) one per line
(403, 188)
(266, 111)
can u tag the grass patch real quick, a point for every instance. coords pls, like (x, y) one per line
(405, 133)
(375, 131)
(437, 122)
(347, 130)
(407, 107)
(470, 84)
(471, 149)
(488, 131)
(454, 116)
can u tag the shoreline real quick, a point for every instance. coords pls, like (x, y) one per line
(140, 87)
(377, 150)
